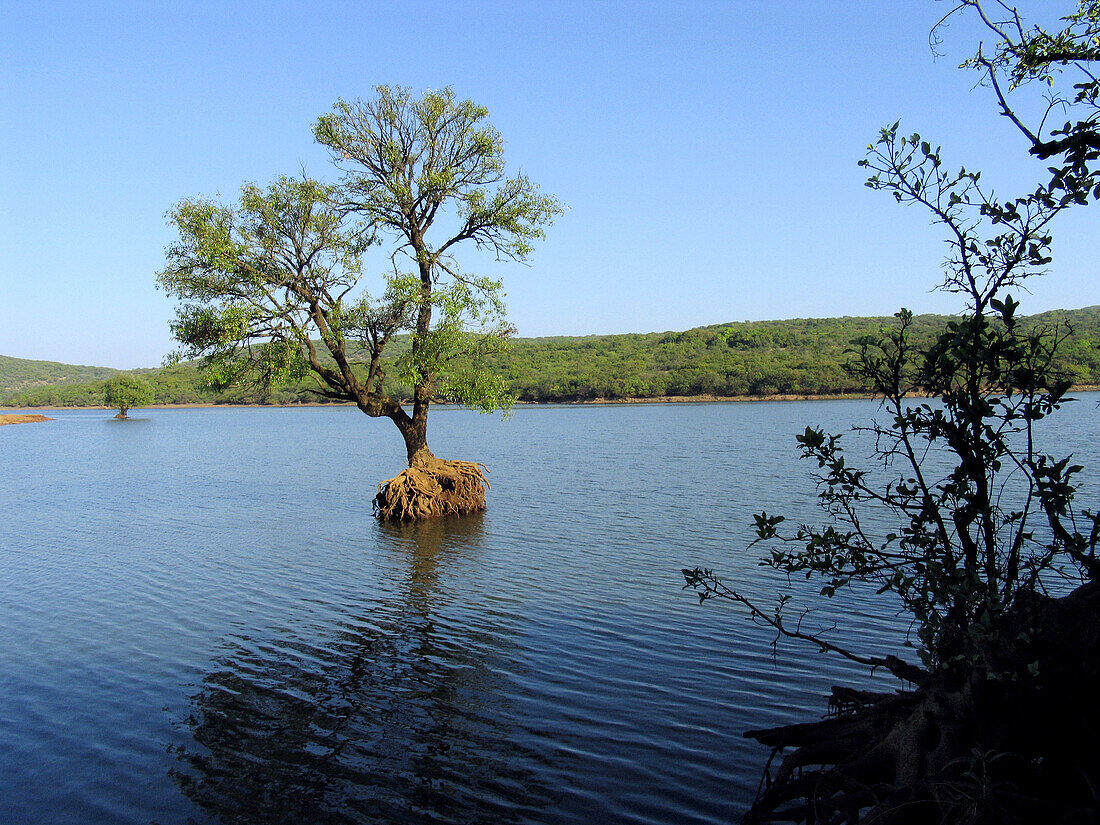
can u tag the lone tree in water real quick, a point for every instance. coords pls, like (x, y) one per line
(271, 287)
(125, 392)
(972, 523)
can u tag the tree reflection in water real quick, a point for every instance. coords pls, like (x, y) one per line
(393, 716)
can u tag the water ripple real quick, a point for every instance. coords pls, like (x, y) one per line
(204, 624)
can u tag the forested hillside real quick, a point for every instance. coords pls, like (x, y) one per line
(758, 358)
(18, 374)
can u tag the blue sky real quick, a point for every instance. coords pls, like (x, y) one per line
(707, 151)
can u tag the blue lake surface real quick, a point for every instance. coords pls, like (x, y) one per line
(202, 622)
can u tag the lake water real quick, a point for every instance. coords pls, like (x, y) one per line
(203, 623)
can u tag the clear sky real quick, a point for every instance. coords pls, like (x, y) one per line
(706, 150)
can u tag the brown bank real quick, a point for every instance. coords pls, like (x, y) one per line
(22, 418)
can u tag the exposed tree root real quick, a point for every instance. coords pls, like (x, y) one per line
(432, 490)
(1012, 741)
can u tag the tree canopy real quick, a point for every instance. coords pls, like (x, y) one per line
(125, 392)
(429, 175)
(959, 513)
(1060, 61)
(272, 288)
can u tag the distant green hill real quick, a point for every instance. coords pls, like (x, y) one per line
(20, 374)
(758, 358)
(803, 356)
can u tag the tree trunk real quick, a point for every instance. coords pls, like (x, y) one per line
(416, 444)
(414, 430)
(430, 488)
(416, 438)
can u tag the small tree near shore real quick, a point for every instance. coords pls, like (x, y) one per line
(272, 291)
(124, 392)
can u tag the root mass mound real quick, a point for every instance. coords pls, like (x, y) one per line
(432, 490)
(966, 747)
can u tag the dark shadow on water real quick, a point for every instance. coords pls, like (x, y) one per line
(392, 715)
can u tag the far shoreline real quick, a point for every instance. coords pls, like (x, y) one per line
(667, 399)
(588, 402)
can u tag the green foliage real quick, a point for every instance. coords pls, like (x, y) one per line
(761, 359)
(271, 291)
(256, 281)
(1061, 60)
(975, 537)
(471, 326)
(410, 166)
(126, 391)
(982, 518)
(405, 158)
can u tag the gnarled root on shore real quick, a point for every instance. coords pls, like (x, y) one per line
(965, 748)
(440, 488)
